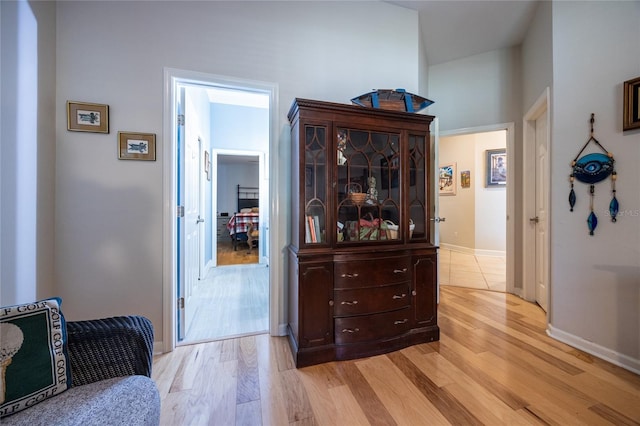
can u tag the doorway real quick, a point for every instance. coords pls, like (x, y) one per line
(474, 204)
(217, 106)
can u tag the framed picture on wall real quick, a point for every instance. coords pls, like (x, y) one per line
(207, 165)
(86, 117)
(447, 179)
(631, 104)
(465, 179)
(136, 146)
(496, 170)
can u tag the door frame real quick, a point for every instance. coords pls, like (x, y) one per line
(173, 77)
(541, 106)
(510, 236)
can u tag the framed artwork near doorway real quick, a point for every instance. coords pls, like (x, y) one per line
(447, 179)
(496, 170)
(136, 146)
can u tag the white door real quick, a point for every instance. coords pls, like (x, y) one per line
(542, 212)
(192, 219)
(180, 326)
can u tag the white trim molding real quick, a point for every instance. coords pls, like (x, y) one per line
(473, 251)
(594, 349)
(173, 77)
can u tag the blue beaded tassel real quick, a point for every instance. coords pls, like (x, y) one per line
(614, 207)
(592, 220)
(572, 194)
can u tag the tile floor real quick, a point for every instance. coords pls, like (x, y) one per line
(468, 270)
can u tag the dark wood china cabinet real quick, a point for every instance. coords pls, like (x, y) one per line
(362, 270)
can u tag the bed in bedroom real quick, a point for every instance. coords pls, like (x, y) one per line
(247, 215)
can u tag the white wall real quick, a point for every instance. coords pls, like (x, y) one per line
(27, 153)
(229, 177)
(537, 56)
(595, 288)
(484, 90)
(491, 202)
(109, 212)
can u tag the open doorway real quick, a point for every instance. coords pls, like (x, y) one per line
(237, 204)
(223, 116)
(473, 202)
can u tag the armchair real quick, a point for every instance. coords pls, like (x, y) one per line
(110, 361)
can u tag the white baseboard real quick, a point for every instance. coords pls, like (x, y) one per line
(594, 349)
(473, 251)
(282, 330)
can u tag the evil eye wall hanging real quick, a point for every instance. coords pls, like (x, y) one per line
(591, 169)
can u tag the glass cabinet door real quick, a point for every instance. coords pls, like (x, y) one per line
(315, 184)
(418, 188)
(368, 186)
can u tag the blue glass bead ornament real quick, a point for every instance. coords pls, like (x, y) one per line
(590, 169)
(572, 198)
(614, 208)
(592, 222)
(593, 168)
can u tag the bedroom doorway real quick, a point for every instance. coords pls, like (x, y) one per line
(229, 116)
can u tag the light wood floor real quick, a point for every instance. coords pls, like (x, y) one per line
(226, 255)
(231, 301)
(494, 365)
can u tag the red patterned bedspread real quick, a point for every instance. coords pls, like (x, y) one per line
(243, 220)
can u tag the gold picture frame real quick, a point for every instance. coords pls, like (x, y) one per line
(87, 117)
(136, 146)
(631, 108)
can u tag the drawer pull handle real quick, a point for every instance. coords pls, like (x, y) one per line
(349, 275)
(400, 271)
(350, 330)
(401, 321)
(346, 302)
(399, 296)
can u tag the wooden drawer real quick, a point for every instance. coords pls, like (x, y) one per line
(371, 300)
(372, 327)
(371, 272)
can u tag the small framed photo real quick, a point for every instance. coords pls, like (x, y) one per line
(465, 179)
(207, 165)
(631, 104)
(86, 117)
(496, 167)
(447, 179)
(136, 146)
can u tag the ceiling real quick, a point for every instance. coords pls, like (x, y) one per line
(453, 29)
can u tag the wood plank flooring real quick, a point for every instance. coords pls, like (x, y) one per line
(231, 301)
(226, 255)
(494, 365)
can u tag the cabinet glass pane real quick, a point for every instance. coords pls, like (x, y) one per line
(315, 184)
(368, 185)
(418, 214)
